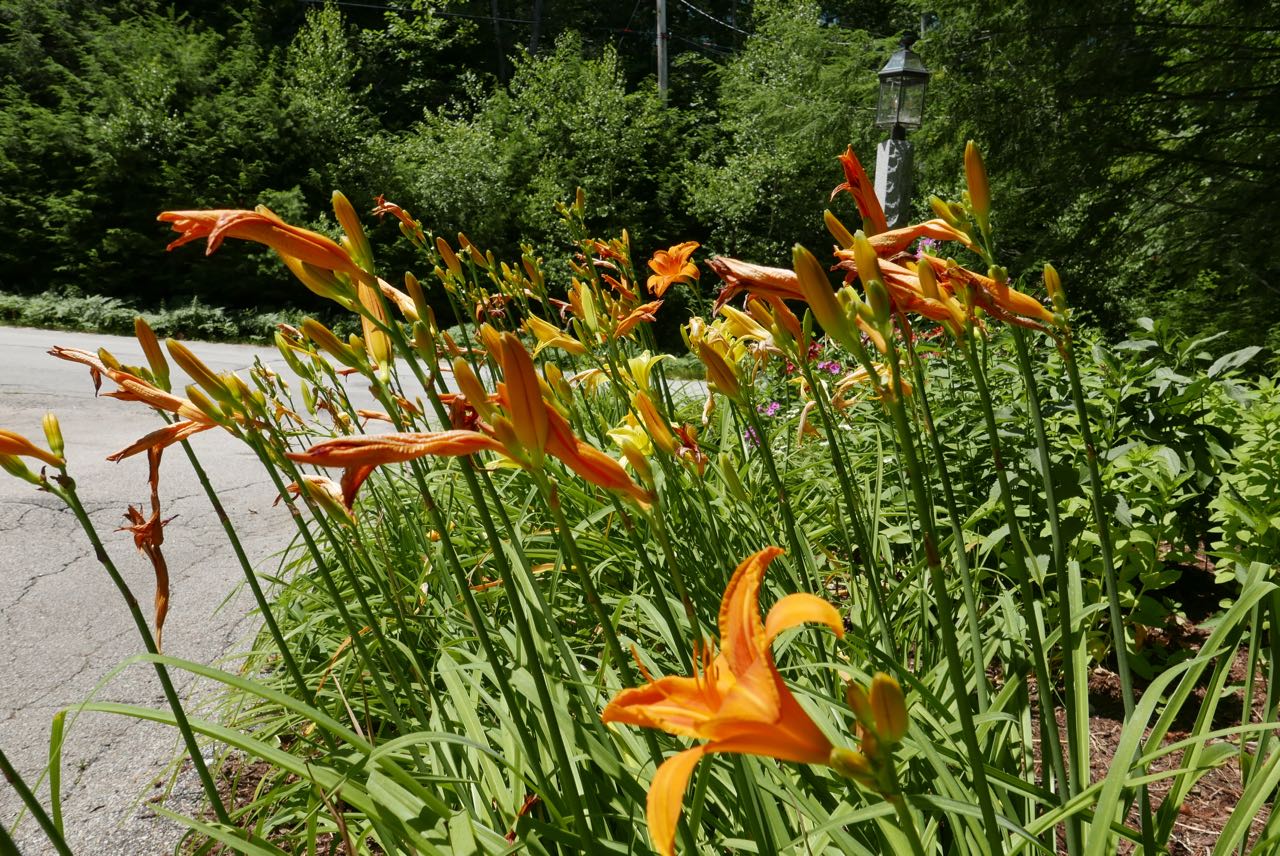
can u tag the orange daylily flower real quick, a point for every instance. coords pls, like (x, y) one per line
(736, 701)
(16, 445)
(134, 388)
(863, 193)
(358, 456)
(891, 243)
(376, 449)
(996, 298)
(672, 265)
(643, 312)
(263, 227)
(587, 461)
(760, 281)
(523, 397)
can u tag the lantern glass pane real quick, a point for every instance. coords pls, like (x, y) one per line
(890, 103)
(911, 103)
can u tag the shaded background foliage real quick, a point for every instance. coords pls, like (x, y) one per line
(1133, 143)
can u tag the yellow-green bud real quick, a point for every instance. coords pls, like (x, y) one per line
(350, 223)
(889, 707)
(15, 466)
(860, 704)
(852, 764)
(878, 298)
(837, 229)
(198, 371)
(975, 173)
(53, 433)
(1053, 284)
(151, 348)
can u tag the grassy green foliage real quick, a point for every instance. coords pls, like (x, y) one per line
(991, 508)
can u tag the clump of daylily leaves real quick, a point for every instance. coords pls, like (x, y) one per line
(533, 542)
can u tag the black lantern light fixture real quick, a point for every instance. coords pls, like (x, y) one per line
(903, 81)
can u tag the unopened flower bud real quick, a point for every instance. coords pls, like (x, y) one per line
(878, 299)
(837, 229)
(329, 343)
(16, 467)
(889, 708)
(860, 704)
(151, 348)
(349, 220)
(198, 371)
(852, 764)
(1053, 284)
(450, 258)
(975, 173)
(53, 434)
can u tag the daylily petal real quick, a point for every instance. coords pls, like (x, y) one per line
(796, 609)
(675, 704)
(794, 737)
(15, 444)
(375, 449)
(162, 437)
(741, 632)
(863, 192)
(666, 797)
(763, 282)
(896, 240)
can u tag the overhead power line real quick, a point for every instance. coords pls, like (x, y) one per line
(713, 18)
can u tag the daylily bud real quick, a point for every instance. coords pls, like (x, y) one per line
(151, 348)
(470, 387)
(329, 343)
(580, 201)
(878, 299)
(198, 371)
(852, 764)
(889, 707)
(657, 427)
(720, 373)
(837, 229)
(109, 359)
(318, 280)
(860, 704)
(204, 404)
(53, 434)
(450, 258)
(822, 301)
(638, 461)
(975, 173)
(416, 294)
(944, 210)
(1053, 284)
(361, 253)
(524, 397)
(288, 355)
(864, 256)
(15, 466)
(425, 344)
(308, 398)
(928, 281)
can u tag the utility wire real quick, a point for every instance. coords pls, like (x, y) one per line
(713, 18)
(432, 12)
